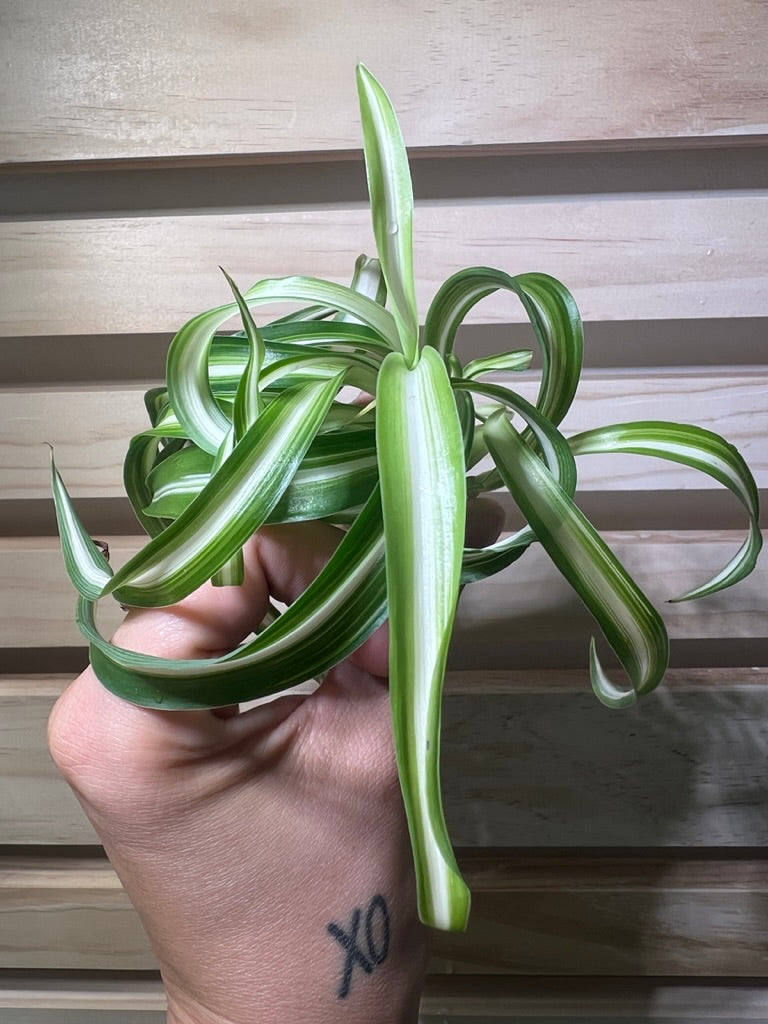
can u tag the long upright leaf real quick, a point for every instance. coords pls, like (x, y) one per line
(421, 470)
(389, 185)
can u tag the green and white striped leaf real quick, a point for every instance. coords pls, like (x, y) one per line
(367, 279)
(142, 456)
(421, 470)
(248, 400)
(228, 354)
(479, 563)
(359, 370)
(698, 449)
(233, 505)
(177, 480)
(187, 368)
(553, 314)
(338, 473)
(84, 561)
(303, 642)
(232, 573)
(517, 360)
(389, 186)
(629, 621)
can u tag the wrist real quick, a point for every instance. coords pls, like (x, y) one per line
(366, 963)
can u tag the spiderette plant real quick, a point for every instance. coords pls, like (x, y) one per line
(250, 429)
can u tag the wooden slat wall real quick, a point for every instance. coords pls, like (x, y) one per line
(616, 858)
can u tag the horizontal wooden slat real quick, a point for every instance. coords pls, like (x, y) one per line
(89, 428)
(254, 79)
(624, 258)
(34, 998)
(559, 915)
(530, 759)
(486, 999)
(528, 602)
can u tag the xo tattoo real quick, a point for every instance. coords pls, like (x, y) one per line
(365, 941)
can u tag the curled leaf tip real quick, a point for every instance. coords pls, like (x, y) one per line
(606, 691)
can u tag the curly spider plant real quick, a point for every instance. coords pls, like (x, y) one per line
(251, 429)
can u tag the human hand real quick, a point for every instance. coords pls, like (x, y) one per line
(266, 852)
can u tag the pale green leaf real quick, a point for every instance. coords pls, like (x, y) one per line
(421, 457)
(389, 186)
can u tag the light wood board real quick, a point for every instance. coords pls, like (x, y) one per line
(89, 428)
(624, 258)
(528, 603)
(197, 79)
(560, 916)
(37, 999)
(530, 759)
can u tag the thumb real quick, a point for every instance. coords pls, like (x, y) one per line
(89, 724)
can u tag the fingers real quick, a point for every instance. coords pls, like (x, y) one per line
(280, 562)
(485, 521)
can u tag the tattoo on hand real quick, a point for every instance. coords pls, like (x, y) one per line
(376, 941)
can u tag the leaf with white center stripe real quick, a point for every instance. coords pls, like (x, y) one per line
(338, 473)
(305, 641)
(698, 449)
(187, 368)
(248, 400)
(84, 560)
(479, 563)
(421, 470)
(389, 186)
(629, 621)
(231, 507)
(515, 361)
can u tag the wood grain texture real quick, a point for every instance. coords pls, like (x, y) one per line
(89, 428)
(241, 77)
(530, 759)
(527, 602)
(533, 916)
(623, 258)
(37, 999)
(483, 999)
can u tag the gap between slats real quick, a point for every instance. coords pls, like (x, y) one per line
(132, 187)
(123, 359)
